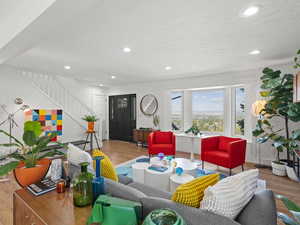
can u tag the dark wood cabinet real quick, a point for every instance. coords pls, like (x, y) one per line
(140, 136)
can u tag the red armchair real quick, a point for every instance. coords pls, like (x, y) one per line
(223, 151)
(159, 141)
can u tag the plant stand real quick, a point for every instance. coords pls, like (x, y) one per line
(91, 135)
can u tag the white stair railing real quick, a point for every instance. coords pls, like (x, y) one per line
(60, 96)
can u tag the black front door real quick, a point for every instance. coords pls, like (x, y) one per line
(122, 117)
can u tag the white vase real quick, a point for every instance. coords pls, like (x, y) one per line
(278, 169)
(291, 173)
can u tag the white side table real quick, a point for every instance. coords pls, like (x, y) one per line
(176, 180)
(138, 172)
(187, 165)
(158, 180)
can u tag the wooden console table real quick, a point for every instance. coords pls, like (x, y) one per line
(140, 136)
(48, 209)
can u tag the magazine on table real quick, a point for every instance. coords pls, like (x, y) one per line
(158, 168)
(42, 187)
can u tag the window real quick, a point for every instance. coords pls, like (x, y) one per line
(176, 110)
(239, 114)
(208, 110)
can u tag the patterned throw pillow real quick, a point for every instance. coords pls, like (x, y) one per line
(191, 193)
(107, 168)
(229, 196)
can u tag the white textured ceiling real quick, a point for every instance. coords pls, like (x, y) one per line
(193, 37)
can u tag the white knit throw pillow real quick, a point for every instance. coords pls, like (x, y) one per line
(229, 196)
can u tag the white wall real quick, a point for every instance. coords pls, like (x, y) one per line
(14, 85)
(250, 79)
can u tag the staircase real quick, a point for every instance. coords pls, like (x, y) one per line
(60, 96)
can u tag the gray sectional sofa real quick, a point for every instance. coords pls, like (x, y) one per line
(261, 210)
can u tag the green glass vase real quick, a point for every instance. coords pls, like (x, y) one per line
(82, 187)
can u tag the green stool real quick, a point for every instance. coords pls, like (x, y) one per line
(115, 211)
(163, 217)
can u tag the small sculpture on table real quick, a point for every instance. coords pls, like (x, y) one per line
(179, 171)
(161, 156)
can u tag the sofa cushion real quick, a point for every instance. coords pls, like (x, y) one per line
(122, 191)
(192, 216)
(76, 156)
(163, 137)
(224, 142)
(255, 213)
(107, 168)
(150, 191)
(230, 195)
(191, 193)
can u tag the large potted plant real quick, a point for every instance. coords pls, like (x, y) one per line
(28, 162)
(91, 119)
(277, 90)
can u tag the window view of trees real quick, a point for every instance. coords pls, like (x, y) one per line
(176, 110)
(208, 110)
(239, 111)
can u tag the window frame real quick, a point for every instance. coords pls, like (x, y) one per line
(182, 110)
(233, 112)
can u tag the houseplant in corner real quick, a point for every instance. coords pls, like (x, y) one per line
(279, 111)
(28, 162)
(91, 119)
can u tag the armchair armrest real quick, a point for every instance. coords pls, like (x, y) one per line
(192, 216)
(210, 143)
(174, 142)
(151, 139)
(237, 150)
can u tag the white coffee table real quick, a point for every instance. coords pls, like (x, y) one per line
(138, 172)
(176, 180)
(188, 166)
(158, 180)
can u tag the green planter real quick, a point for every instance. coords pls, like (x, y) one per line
(164, 217)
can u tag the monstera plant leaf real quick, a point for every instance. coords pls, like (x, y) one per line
(33, 126)
(293, 208)
(5, 169)
(29, 138)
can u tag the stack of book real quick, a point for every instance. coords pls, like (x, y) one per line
(42, 187)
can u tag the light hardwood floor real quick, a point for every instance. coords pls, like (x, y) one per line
(120, 152)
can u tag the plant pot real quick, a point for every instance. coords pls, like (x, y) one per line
(291, 173)
(26, 176)
(91, 126)
(278, 169)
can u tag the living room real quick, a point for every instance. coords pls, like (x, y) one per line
(120, 80)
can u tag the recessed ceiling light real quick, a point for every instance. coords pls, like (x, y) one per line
(254, 52)
(126, 49)
(101, 85)
(113, 77)
(67, 67)
(250, 11)
(168, 68)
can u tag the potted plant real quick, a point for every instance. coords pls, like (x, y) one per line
(194, 129)
(28, 162)
(277, 89)
(91, 119)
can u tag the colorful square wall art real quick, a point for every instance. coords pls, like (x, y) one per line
(51, 120)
